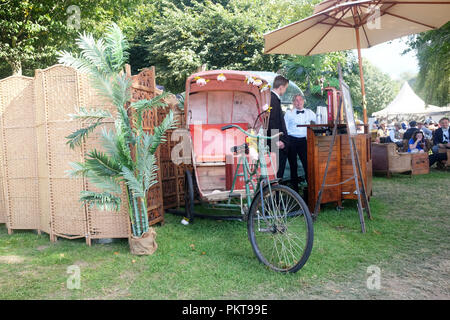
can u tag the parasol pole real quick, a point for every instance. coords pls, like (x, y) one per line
(361, 75)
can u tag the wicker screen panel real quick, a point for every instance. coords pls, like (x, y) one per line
(144, 87)
(2, 198)
(101, 224)
(60, 97)
(19, 153)
(42, 147)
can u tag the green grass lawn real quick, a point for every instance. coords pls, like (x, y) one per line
(214, 260)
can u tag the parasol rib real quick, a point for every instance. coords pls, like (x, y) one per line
(364, 29)
(343, 14)
(410, 20)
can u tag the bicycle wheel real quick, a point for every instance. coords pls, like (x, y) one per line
(189, 196)
(280, 229)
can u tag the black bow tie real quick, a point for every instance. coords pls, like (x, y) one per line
(303, 111)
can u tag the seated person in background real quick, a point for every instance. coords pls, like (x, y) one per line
(441, 136)
(404, 127)
(412, 128)
(382, 133)
(437, 157)
(432, 126)
(416, 143)
(395, 135)
(428, 134)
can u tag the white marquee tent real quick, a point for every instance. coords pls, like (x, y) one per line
(407, 106)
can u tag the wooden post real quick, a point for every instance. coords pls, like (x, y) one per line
(361, 76)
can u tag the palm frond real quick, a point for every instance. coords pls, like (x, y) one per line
(156, 102)
(78, 169)
(78, 137)
(103, 200)
(117, 47)
(121, 92)
(94, 52)
(160, 131)
(90, 115)
(105, 183)
(133, 183)
(101, 164)
(149, 172)
(75, 61)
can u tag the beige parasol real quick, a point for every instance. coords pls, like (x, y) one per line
(354, 24)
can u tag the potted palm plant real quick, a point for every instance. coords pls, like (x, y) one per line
(128, 163)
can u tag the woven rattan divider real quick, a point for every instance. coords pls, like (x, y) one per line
(60, 91)
(144, 87)
(2, 199)
(19, 153)
(57, 95)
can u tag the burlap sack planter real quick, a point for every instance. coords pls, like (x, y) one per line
(145, 245)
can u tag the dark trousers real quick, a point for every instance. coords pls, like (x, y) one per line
(282, 158)
(297, 147)
(435, 157)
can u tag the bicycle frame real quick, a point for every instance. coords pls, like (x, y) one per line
(249, 174)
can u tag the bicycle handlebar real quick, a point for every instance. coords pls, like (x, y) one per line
(248, 133)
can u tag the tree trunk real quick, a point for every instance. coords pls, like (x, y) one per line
(16, 66)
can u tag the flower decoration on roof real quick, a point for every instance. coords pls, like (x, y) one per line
(200, 81)
(221, 77)
(257, 82)
(249, 80)
(265, 87)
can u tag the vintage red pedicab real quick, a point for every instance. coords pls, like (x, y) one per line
(226, 114)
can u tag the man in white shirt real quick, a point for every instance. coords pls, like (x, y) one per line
(395, 135)
(297, 137)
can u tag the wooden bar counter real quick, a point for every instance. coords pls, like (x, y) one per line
(340, 167)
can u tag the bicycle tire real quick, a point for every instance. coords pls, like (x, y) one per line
(280, 229)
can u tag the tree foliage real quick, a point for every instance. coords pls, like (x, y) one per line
(221, 34)
(314, 73)
(380, 88)
(31, 32)
(433, 53)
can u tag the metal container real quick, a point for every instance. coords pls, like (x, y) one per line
(322, 115)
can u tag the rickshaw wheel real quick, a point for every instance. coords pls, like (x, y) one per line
(282, 238)
(189, 196)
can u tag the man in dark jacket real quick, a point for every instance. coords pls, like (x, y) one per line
(410, 132)
(277, 124)
(442, 136)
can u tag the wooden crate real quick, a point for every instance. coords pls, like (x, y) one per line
(340, 167)
(419, 163)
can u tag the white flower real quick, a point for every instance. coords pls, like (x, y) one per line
(257, 82)
(221, 77)
(200, 81)
(265, 87)
(249, 80)
(265, 107)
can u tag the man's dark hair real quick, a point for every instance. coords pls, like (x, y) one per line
(279, 81)
(412, 124)
(444, 118)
